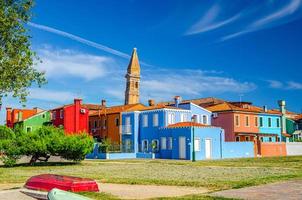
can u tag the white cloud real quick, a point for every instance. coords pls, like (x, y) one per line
(79, 39)
(289, 85)
(51, 95)
(65, 62)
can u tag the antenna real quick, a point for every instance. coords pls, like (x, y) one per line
(240, 97)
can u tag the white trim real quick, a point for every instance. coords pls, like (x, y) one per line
(198, 140)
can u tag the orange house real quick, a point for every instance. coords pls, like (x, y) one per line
(105, 122)
(15, 115)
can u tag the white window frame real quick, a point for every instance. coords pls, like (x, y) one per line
(182, 117)
(197, 144)
(205, 119)
(145, 120)
(163, 143)
(170, 143)
(237, 125)
(155, 119)
(171, 118)
(61, 114)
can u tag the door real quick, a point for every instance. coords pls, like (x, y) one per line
(208, 148)
(182, 147)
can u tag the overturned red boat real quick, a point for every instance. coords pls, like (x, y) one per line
(47, 182)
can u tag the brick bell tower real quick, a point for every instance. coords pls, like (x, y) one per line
(133, 80)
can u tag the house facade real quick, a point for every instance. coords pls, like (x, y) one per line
(35, 122)
(17, 115)
(73, 118)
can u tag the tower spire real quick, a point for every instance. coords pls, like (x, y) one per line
(133, 79)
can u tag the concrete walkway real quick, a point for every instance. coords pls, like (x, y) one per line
(290, 190)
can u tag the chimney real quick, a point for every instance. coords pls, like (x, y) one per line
(103, 103)
(282, 108)
(177, 100)
(151, 102)
(264, 108)
(77, 101)
(9, 117)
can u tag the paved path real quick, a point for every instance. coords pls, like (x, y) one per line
(290, 190)
(125, 191)
(13, 195)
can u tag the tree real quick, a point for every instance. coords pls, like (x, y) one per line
(17, 59)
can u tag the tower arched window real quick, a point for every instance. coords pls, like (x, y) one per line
(136, 84)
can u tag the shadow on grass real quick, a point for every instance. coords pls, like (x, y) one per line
(42, 164)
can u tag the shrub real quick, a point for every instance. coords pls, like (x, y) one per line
(105, 146)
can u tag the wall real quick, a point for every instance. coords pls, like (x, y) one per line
(242, 128)
(37, 121)
(294, 148)
(226, 121)
(197, 110)
(237, 149)
(268, 149)
(266, 130)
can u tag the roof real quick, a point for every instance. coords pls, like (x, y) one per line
(160, 106)
(203, 102)
(187, 124)
(298, 117)
(134, 67)
(245, 107)
(117, 109)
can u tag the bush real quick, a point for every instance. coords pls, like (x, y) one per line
(42, 144)
(105, 146)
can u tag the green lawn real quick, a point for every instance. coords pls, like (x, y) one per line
(215, 175)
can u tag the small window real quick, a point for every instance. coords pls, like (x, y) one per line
(171, 118)
(28, 129)
(155, 145)
(269, 122)
(205, 119)
(197, 144)
(136, 85)
(247, 121)
(261, 138)
(127, 121)
(170, 143)
(278, 123)
(247, 138)
(54, 115)
(43, 116)
(237, 138)
(155, 119)
(145, 120)
(270, 139)
(163, 143)
(117, 122)
(95, 124)
(256, 121)
(237, 120)
(145, 145)
(278, 139)
(61, 114)
(182, 118)
(261, 121)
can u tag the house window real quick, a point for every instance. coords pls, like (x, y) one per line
(145, 120)
(237, 120)
(163, 143)
(182, 117)
(269, 122)
(127, 125)
(171, 118)
(278, 139)
(261, 121)
(43, 116)
(197, 144)
(256, 121)
(270, 139)
(105, 124)
(237, 138)
(205, 119)
(95, 124)
(28, 129)
(144, 145)
(155, 119)
(247, 138)
(278, 122)
(54, 115)
(61, 114)
(117, 122)
(261, 138)
(170, 143)
(155, 145)
(136, 85)
(247, 121)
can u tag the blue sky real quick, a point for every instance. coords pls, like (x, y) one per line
(248, 48)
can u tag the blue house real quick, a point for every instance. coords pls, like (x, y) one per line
(168, 131)
(270, 127)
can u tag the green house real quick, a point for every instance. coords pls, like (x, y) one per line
(35, 122)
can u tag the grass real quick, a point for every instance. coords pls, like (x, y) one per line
(214, 175)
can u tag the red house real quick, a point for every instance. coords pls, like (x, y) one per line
(72, 117)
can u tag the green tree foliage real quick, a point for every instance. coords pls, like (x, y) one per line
(17, 60)
(42, 144)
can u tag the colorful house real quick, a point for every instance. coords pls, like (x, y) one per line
(244, 122)
(182, 131)
(105, 122)
(35, 122)
(72, 117)
(17, 115)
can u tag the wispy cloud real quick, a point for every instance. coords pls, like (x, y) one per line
(79, 39)
(289, 85)
(58, 63)
(51, 95)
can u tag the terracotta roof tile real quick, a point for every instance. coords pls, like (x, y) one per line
(117, 109)
(187, 124)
